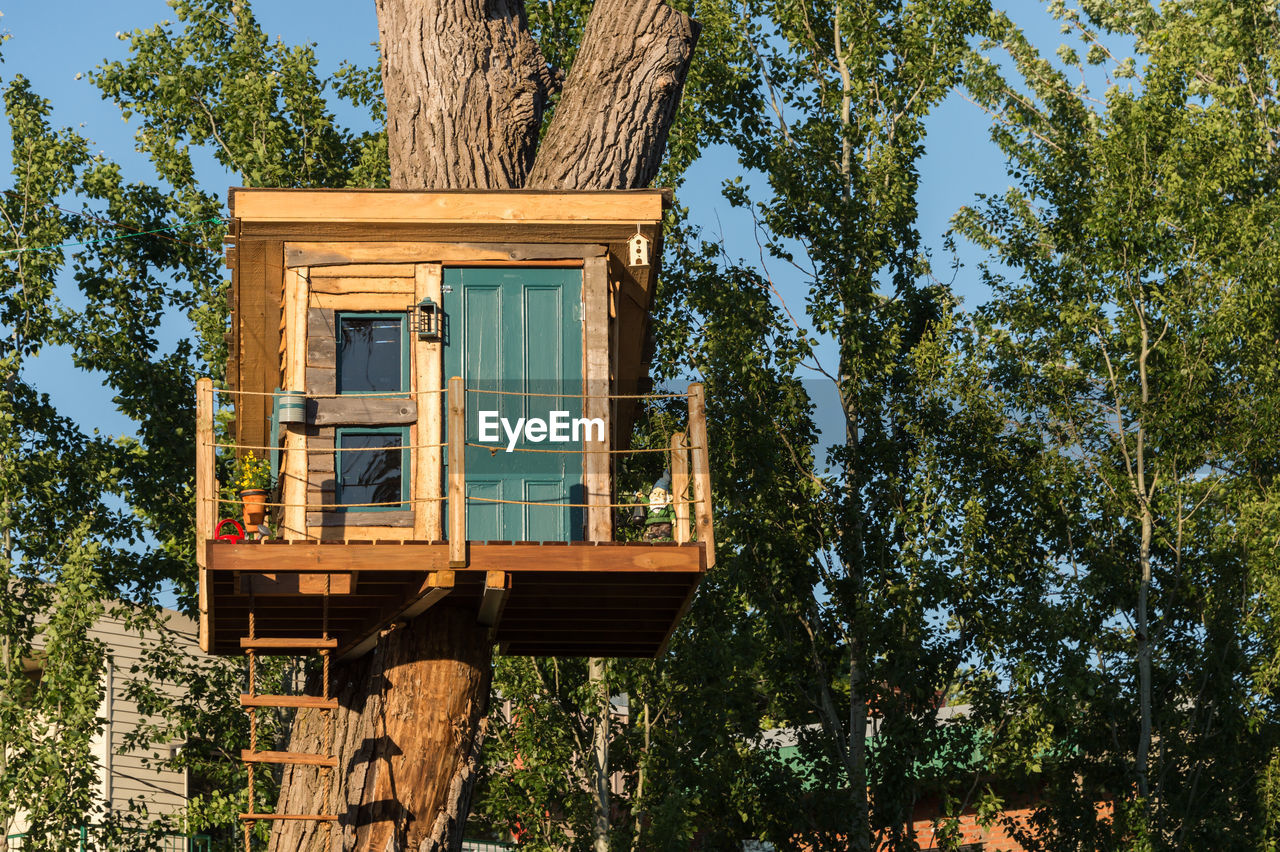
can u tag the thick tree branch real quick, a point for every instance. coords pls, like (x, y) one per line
(610, 127)
(465, 86)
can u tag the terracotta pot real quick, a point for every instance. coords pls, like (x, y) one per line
(255, 509)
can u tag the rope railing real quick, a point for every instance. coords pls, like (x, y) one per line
(499, 448)
(323, 450)
(572, 505)
(425, 492)
(580, 395)
(351, 395)
(412, 393)
(316, 507)
(495, 448)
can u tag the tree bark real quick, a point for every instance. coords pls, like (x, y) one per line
(465, 86)
(408, 733)
(610, 128)
(600, 756)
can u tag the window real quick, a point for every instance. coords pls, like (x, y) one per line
(372, 353)
(371, 467)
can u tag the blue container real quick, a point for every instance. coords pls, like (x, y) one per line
(292, 406)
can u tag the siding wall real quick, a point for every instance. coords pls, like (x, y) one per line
(163, 791)
(124, 774)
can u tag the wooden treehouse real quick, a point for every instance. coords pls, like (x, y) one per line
(445, 385)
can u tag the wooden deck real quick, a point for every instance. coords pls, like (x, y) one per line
(540, 598)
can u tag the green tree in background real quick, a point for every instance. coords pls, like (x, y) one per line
(1133, 330)
(53, 481)
(123, 507)
(852, 590)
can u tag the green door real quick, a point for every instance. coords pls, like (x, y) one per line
(512, 332)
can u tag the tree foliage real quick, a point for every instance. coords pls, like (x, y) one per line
(95, 265)
(1133, 329)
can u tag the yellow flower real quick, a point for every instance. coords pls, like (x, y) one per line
(252, 472)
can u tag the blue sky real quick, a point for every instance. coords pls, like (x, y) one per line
(54, 41)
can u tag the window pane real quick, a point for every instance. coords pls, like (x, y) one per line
(372, 474)
(369, 354)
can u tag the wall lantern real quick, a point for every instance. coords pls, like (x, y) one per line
(424, 319)
(638, 249)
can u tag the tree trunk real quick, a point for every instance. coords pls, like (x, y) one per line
(407, 740)
(465, 86)
(600, 756)
(610, 128)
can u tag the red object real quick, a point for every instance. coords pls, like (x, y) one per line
(238, 535)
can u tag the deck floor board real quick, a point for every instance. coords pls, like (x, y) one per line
(579, 599)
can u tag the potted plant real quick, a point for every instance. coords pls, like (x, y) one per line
(252, 484)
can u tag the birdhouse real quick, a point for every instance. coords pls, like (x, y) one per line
(638, 250)
(446, 383)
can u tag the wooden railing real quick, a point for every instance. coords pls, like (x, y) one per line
(688, 456)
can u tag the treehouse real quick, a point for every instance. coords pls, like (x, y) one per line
(444, 385)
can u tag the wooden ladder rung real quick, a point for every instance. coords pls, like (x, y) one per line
(293, 757)
(289, 701)
(288, 643)
(316, 817)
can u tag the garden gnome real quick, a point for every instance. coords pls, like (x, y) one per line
(661, 512)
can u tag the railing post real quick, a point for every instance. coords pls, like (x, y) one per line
(428, 461)
(597, 467)
(701, 470)
(206, 497)
(680, 485)
(457, 473)
(206, 487)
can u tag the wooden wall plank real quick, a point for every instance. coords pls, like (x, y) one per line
(273, 306)
(321, 380)
(379, 268)
(341, 253)
(232, 335)
(305, 230)
(354, 284)
(631, 326)
(356, 411)
(356, 519)
(428, 377)
(322, 354)
(457, 473)
(293, 473)
(320, 460)
(596, 385)
(329, 205)
(256, 342)
(361, 301)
